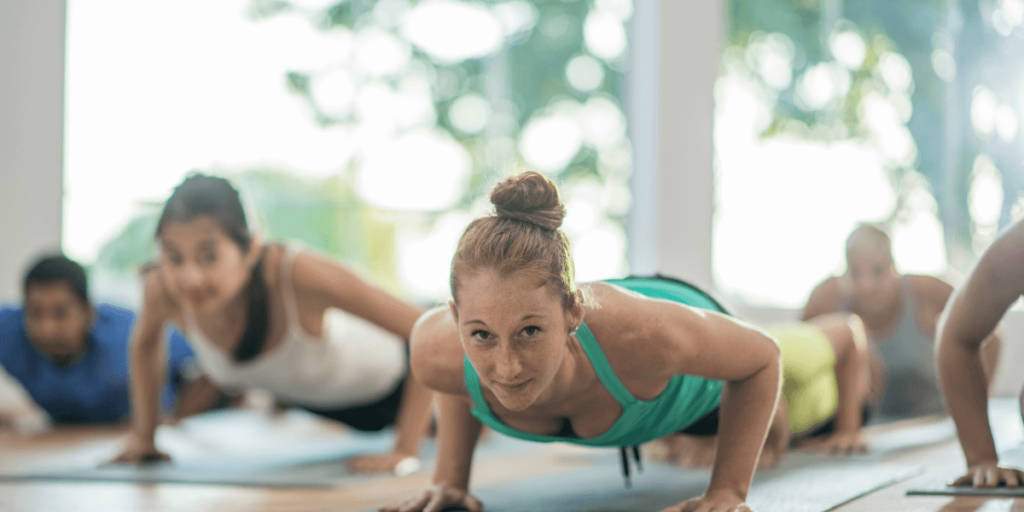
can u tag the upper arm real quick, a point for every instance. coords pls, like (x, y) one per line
(178, 350)
(436, 356)
(337, 286)
(995, 282)
(670, 339)
(823, 300)
(157, 310)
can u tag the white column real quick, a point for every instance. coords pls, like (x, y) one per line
(31, 135)
(676, 52)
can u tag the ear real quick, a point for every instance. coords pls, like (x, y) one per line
(576, 312)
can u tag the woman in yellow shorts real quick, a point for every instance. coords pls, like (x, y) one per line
(826, 383)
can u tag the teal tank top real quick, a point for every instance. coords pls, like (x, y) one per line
(685, 400)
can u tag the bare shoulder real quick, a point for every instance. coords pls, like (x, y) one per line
(436, 354)
(931, 289)
(631, 329)
(314, 271)
(824, 299)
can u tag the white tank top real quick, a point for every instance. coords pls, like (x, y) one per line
(355, 362)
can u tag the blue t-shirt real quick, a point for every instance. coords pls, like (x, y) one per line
(94, 388)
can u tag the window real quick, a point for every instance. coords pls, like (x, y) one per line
(372, 131)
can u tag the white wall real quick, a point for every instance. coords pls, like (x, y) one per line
(675, 56)
(31, 134)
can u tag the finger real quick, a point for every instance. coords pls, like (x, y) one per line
(437, 502)
(473, 504)
(415, 504)
(979, 478)
(991, 477)
(1011, 477)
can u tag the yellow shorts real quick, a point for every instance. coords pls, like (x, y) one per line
(808, 375)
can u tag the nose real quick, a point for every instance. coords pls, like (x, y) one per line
(49, 329)
(191, 277)
(509, 364)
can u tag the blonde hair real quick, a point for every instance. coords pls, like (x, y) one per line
(522, 235)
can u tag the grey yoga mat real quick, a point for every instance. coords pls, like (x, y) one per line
(238, 448)
(1005, 418)
(801, 484)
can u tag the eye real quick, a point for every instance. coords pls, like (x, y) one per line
(174, 259)
(208, 257)
(531, 331)
(481, 335)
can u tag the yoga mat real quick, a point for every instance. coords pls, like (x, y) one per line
(800, 484)
(912, 436)
(241, 448)
(1008, 430)
(939, 489)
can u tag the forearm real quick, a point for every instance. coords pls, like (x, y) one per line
(414, 416)
(145, 378)
(746, 412)
(850, 370)
(962, 377)
(457, 433)
(779, 434)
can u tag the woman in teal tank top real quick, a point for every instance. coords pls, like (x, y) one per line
(614, 363)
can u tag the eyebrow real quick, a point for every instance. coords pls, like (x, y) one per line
(481, 322)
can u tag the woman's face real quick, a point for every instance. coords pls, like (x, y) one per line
(203, 268)
(515, 333)
(875, 281)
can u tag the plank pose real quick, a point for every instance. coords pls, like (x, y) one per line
(261, 315)
(525, 351)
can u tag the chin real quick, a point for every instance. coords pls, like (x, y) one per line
(203, 306)
(516, 402)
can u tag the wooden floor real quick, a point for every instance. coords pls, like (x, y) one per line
(941, 461)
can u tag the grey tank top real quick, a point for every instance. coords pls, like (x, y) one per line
(911, 387)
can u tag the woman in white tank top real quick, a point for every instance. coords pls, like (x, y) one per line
(290, 322)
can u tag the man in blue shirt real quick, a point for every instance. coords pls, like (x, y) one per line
(72, 357)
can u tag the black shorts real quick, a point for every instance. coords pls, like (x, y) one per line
(706, 426)
(830, 426)
(370, 417)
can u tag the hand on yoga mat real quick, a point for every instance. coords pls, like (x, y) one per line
(712, 502)
(839, 443)
(439, 498)
(989, 474)
(137, 451)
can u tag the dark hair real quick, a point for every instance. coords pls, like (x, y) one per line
(57, 267)
(199, 195)
(521, 236)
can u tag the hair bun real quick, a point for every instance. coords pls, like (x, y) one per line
(529, 197)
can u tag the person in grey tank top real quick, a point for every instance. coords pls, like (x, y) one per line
(900, 313)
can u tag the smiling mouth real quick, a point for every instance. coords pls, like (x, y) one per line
(517, 387)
